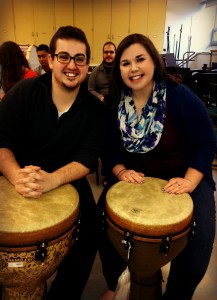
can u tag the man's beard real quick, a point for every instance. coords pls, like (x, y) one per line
(108, 64)
(70, 88)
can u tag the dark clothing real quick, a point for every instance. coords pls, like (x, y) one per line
(164, 160)
(74, 271)
(31, 129)
(191, 125)
(189, 267)
(187, 141)
(99, 80)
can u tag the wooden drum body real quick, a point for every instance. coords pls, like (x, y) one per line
(35, 236)
(155, 224)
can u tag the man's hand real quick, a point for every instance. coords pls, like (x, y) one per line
(29, 182)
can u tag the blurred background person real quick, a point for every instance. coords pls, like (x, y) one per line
(98, 85)
(14, 66)
(100, 78)
(42, 53)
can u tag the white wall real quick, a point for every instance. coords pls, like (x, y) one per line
(197, 22)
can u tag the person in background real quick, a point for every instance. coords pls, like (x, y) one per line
(42, 53)
(159, 128)
(98, 85)
(100, 77)
(14, 64)
(51, 134)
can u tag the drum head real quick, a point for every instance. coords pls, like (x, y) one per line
(25, 221)
(146, 210)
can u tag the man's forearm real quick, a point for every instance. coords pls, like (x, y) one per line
(8, 165)
(70, 172)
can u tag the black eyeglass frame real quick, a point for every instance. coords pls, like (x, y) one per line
(71, 57)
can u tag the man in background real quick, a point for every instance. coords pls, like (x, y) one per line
(42, 53)
(100, 77)
(98, 85)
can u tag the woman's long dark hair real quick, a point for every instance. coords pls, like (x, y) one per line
(117, 84)
(13, 64)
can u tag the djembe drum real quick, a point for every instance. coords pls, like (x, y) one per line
(150, 227)
(35, 236)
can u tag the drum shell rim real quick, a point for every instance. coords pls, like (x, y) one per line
(35, 246)
(8, 239)
(149, 238)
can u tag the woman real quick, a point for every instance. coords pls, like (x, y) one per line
(14, 64)
(160, 128)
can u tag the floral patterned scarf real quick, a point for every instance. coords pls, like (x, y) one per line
(143, 135)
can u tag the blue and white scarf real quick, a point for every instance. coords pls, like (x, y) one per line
(141, 136)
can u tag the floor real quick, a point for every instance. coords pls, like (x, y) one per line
(207, 289)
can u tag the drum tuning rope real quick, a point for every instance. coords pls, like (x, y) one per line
(193, 229)
(75, 233)
(128, 244)
(41, 254)
(165, 245)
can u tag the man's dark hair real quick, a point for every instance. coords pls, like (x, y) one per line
(43, 47)
(109, 43)
(70, 32)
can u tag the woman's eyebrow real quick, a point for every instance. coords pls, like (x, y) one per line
(137, 56)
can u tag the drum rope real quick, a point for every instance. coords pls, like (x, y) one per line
(128, 245)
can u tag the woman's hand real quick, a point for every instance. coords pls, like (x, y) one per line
(179, 185)
(187, 184)
(131, 176)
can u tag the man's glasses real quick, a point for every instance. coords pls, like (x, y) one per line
(109, 52)
(65, 58)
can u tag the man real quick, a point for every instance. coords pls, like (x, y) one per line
(51, 133)
(100, 77)
(42, 53)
